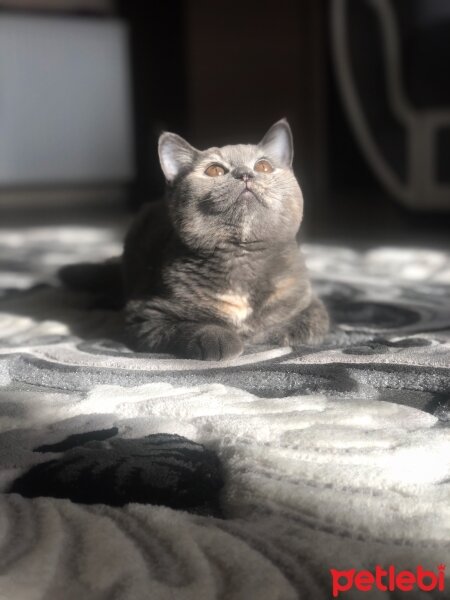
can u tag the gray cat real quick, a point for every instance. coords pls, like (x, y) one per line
(216, 264)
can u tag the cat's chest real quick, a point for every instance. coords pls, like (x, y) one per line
(233, 305)
(234, 300)
(242, 291)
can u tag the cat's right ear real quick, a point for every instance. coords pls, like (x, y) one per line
(175, 155)
(278, 143)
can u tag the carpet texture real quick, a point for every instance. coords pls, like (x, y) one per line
(134, 476)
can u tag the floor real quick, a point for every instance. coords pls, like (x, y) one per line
(126, 472)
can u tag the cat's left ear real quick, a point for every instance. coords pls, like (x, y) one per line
(175, 155)
(278, 143)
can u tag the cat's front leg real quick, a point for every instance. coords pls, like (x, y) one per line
(151, 329)
(308, 326)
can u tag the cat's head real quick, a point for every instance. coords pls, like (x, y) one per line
(239, 194)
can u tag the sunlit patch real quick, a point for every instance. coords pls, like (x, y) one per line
(18, 329)
(412, 465)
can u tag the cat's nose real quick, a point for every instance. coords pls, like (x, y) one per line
(243, 173)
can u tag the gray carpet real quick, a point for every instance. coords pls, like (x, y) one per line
(142, 476)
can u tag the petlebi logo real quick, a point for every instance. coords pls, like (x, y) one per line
(387, 580)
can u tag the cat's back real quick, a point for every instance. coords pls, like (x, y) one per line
(144, 244)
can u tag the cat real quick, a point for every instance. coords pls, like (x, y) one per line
(216, 264)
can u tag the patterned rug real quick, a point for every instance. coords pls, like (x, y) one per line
(135, 476)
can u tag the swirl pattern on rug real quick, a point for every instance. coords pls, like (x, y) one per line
(274, 467)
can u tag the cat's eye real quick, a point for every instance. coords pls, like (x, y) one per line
(215, 170)
(263, 166)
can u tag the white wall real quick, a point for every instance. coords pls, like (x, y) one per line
(65, 114)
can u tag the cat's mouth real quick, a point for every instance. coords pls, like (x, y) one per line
(248, 194)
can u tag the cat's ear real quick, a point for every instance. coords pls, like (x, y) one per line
(278, 143)
(175, 155)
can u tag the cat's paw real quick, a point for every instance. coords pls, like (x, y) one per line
(212, 342)
(308, 327)
(301, 336)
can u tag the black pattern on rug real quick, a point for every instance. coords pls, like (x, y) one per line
(157, 469)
